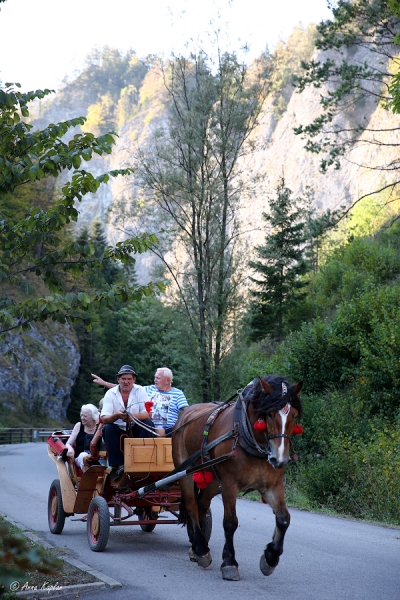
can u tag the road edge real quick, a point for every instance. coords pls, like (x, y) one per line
(65, 591)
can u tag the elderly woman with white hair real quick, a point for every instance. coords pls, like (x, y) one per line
(82, 435)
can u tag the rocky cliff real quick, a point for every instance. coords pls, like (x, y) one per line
(279, 152)
(36, 390)
(282, 153)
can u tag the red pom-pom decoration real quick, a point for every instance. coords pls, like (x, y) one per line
(260, 425)
(202, 479)
(297, 430)
(148, 405)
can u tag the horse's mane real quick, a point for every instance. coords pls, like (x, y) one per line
(273, 402)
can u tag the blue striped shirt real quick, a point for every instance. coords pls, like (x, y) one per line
(166, 404)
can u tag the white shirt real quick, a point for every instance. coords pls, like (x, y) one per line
(112, 403)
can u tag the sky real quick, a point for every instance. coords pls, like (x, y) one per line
(43, 41)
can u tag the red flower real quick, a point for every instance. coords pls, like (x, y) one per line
(297, 430)
(202, 479)
(148, 405)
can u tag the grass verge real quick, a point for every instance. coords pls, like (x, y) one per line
(26, 566)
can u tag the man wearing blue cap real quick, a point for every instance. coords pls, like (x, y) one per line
(124, 405)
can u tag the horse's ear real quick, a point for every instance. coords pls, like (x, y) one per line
(297, 388)
(266, 388)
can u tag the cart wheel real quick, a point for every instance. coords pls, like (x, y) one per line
(98, 524)
(206, 525)
(55, 509)
(149, 514)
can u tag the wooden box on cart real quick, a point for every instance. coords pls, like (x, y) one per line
(148, 455)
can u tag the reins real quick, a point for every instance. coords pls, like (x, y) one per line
(206, 446)
(152, 429)
(202, 415)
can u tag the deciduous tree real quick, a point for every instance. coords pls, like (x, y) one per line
(34, 244)
(191, 173)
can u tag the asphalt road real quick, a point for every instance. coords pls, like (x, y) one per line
(324, 558)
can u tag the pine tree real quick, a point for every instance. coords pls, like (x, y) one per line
(110, 271)
(279, 267)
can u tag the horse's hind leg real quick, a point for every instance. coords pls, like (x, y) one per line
(229, 567)
(199, 552)
(270, 557)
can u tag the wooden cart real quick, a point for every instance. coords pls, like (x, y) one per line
(147, 494)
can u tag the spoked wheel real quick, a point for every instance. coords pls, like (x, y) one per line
(98, 524)
(148, 514)
(206, 525)
(55, 509)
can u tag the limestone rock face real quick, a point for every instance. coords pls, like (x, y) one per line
(279, 152)
(48, 363)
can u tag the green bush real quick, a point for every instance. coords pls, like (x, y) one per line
(309, 355)
(359, 347)
(366, 333)
(356, 477)
(351, 268)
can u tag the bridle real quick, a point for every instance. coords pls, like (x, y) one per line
(247, 439)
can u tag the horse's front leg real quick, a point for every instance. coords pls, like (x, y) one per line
(229, 567)
(270, 558)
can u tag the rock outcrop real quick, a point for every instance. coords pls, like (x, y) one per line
(280, 152)
(38, 386)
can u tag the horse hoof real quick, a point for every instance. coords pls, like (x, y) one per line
(204, 561)
(265, 568)
(192, 555)
(230, 573)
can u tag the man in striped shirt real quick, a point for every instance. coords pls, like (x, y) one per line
(168, 400)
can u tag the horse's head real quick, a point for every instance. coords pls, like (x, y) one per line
(277, 404)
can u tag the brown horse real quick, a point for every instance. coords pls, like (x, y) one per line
(260, 455)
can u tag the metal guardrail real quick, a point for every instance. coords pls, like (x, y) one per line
(19, 435)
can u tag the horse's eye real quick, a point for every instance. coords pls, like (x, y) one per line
(270, 415)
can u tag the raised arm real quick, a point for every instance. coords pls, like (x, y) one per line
(100, 381)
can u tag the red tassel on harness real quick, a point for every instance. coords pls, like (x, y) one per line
(260, 425)
(297, 430)
(202, 479)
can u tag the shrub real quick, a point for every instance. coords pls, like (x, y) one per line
(358, 478)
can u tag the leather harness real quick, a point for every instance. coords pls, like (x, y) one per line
(241, 434)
